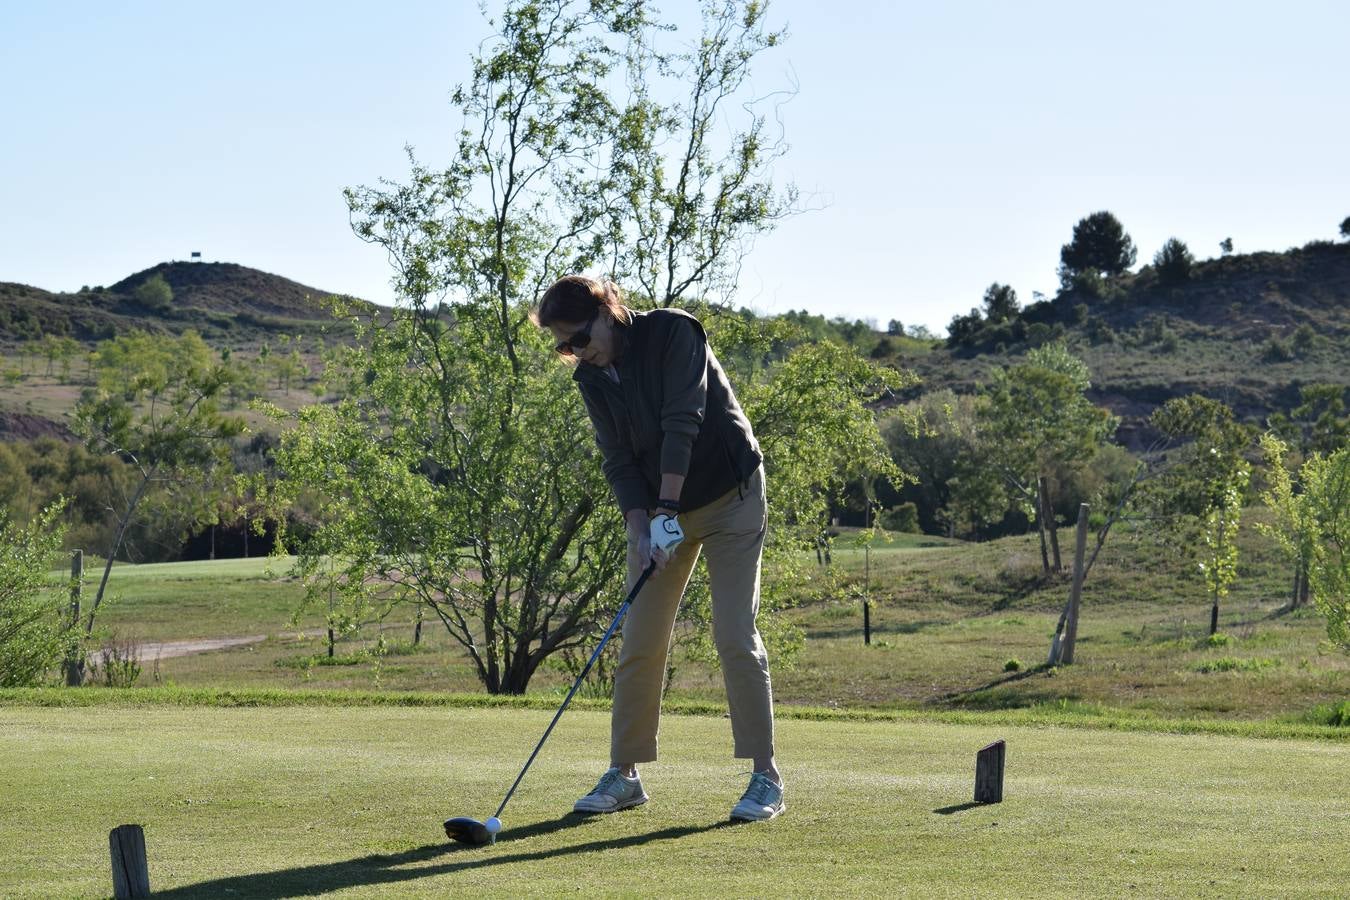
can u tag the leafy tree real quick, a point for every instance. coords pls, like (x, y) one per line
(1202, 495)
(457, 474)
(1312, 526)
(1036, 417)
(154, 293)
(1320, 423)
(1099, 245)
(1345, 227)
(32, 636)
(1173, 262)
(158, 409)
(1226, 246)
(895, 327)
(963, 329)
(1000, 303)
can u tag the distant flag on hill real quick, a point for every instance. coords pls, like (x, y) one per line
(196, 254)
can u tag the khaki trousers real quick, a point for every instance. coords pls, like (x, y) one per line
(730, 531)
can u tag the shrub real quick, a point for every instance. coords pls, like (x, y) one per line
(32, 638)
(1277, 351)
(1013, 665)
(1234, 664)
(1304, 338)
(154, 293)
(1218, 639)
(121, 664)
(903, 518)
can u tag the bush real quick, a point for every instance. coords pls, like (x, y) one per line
(1277, 351)
(121, 664)
(1013, 665)
(32, 636)
(1218, 639)
(1304, 338)
(154, 293)
(903, 518)
(1234, 664)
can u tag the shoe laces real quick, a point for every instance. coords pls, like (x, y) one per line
(761, 789)
(608, 782)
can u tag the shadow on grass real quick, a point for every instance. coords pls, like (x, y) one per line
(958, 807)
(973, 694)
(388, 868)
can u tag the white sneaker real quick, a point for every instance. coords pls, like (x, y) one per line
(613, 793)
(762, 800)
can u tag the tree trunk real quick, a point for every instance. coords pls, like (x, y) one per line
(1040, 529)
(1076, 592)
(1049, 517)
(1214, 616)
(1303, 586)
(417, 629)
(112, 551)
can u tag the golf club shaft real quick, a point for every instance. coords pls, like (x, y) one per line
(618, 617)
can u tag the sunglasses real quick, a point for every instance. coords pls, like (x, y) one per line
(579, 340)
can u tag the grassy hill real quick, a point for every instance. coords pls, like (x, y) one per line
(1245, 329)
(227, 303)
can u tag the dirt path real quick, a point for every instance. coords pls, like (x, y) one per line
(164, 649)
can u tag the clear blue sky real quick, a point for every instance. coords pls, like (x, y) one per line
(950, 144)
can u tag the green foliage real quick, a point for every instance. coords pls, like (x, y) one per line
(1277, 350)
(1036, 417)
(1345, 227)
(158, 408)
(1173, 262)
(1218, 639)
(459, 472)
(1236, 664)
(1099, 245)
(1202, 494)
(1000, 303)
(1313, 525)
(1013, 665)
(1226, 246)
(154, 293)
(1319, 424)
(32, 636)
(903, 518)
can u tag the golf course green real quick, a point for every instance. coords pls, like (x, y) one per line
(305, 800)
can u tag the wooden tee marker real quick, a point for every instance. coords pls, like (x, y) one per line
(989, 773)
(131, 874)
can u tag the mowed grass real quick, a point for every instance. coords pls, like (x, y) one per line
(273, 802)
(178, 601)
(947, 619)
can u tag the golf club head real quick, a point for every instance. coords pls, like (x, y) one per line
(468, 831)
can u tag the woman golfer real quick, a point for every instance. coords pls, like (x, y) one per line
(675, 445)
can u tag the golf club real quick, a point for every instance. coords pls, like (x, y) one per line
(471, 831)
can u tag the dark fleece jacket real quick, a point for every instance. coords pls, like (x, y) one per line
(672, 410)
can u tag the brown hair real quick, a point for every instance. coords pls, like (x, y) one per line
(576, 298)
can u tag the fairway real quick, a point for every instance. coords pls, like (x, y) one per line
(348, 801)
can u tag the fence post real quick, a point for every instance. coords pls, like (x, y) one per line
(130, 871)
(73, 666)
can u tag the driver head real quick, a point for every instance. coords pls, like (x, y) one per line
(469, 831)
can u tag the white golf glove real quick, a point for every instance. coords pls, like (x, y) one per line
(666, 533)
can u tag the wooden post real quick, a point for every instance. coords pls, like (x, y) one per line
(867, 594)
(989, 773)
(130, 871)
(1076, 594)
(73, 666)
